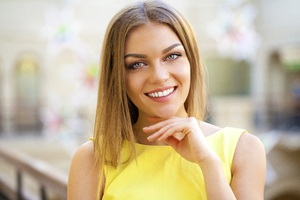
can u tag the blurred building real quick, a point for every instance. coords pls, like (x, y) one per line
(49, 54)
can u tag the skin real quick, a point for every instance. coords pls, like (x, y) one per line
(155, 60)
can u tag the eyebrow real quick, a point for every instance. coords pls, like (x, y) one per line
(170, 47)
(136, 55)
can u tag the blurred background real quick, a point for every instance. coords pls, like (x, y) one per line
(49, 55)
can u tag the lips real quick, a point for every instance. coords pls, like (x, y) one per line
(161, 93)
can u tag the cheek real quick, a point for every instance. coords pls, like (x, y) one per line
(185, 79)
(128, 85)
(132, 85)
(184, 73)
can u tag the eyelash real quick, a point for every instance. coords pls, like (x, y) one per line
(134, 65)
(173, 54)
(167, 58)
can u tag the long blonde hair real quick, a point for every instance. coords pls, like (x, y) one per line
(116, 114)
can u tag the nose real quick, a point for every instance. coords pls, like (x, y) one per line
(158, 73)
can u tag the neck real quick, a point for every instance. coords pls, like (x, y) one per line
(144, 121)
(141, 136)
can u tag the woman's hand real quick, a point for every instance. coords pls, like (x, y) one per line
(184, 135)
(249, 157)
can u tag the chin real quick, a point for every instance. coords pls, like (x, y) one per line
(167, 115)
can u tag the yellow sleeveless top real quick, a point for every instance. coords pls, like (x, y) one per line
(160, 173)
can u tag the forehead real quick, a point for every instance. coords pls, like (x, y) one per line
(150, 34)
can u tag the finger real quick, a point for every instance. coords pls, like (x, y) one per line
(179, 135)
(159, 129)
(159, 133)
(158, 126)
(176, 130)
(172, 141)
(153, 130)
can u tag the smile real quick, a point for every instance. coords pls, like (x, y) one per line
(161, 93)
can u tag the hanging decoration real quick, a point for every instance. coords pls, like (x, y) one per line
(71, 95)
(234, 31)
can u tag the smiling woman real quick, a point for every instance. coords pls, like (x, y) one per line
(150, 139)
(158, 79)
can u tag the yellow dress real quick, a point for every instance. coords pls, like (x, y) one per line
(160, 173)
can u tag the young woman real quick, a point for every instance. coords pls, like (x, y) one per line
(150, 140)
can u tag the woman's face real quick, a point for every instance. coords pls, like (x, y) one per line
(157, 72)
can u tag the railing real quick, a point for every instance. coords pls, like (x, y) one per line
(47, 177)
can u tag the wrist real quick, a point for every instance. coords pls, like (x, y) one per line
(211, 161)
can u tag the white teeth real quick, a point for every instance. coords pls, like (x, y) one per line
(161, 93)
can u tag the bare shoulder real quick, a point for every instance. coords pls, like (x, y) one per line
(83, 157)
(249, 146)
(249, 168)
(83, 175)
(85, 151)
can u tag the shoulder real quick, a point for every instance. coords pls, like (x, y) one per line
(248, 145)
(249, 168)
(84, 156)
(86, 149)
(83, 175)
(249, 148)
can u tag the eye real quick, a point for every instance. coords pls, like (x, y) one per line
(172, 56)
(136, 65)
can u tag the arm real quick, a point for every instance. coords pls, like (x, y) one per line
(83, 176)
(216, 185)
(249, 169)
(194, 147)
(248, 172)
